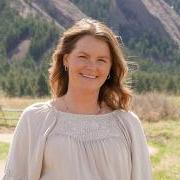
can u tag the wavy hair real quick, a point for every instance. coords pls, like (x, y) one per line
(114, 92)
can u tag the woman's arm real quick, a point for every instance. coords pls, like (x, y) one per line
(140, 160)
(141, 165)
(17, 161)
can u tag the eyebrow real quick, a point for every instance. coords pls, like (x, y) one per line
(82, 52)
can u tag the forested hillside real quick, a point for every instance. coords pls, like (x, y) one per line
(157, 55)
(140, 31)
(21, 77)
(30, 29)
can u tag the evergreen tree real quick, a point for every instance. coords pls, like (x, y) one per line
(11, 87)
(42, 87)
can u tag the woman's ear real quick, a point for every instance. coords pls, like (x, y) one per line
(65, 60)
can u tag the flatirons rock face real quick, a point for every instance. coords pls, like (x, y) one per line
(134, 16)
(155, 16)
(169, 19)
(63, 11)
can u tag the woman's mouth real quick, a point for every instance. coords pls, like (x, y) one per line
(88, 76)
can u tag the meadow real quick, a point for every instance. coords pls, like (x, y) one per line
(160, 116)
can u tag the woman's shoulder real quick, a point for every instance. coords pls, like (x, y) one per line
(36, 110)
(35, 116)
(129, 114)
(129, 118)
(36, 106)
(132, 123)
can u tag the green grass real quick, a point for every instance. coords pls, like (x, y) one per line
(3, 150)
(165, 136)
(10, 118)
(15, 103)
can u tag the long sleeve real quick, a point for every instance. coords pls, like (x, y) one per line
(141, 165)
(17, 162)
(140, 159)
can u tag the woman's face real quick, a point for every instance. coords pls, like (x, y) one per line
(88, 64)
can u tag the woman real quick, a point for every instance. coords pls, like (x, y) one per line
(86, 132)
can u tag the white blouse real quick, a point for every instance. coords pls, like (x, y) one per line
(109, 146)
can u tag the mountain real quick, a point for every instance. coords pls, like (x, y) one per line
(149, 27)
(169, 19)
(64, 12)
(30, 29)
(152, 15)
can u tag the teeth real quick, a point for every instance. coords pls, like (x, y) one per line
(93, 77)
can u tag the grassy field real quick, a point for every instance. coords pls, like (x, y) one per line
(19, 103)
(163, 135)
(15, 103)
(3, 150)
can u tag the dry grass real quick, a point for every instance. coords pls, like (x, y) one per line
(149, 106)
(19, 103)
(155, 106)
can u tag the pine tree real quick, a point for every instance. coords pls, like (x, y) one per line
(42, 87)
(11, 87)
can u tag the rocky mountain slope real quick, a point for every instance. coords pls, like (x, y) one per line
(154, 15)
(149, 29)
(135, 17)
(131, 16)
(62, 11)
(167, 16)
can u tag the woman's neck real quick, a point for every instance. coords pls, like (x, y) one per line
(83, 103)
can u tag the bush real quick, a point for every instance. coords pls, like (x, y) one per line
(154, 107)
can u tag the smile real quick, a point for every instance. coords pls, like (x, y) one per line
(89, 76)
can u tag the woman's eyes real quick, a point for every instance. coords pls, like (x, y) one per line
(84, 57)
(102, 60)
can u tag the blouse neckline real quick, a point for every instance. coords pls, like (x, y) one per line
(76, 115)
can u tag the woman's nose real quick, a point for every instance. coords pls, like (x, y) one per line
(92, 64)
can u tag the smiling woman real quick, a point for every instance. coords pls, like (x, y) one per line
(87, 65)
(87, 130)
(90, 49)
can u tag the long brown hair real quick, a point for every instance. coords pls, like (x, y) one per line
(113, 92)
